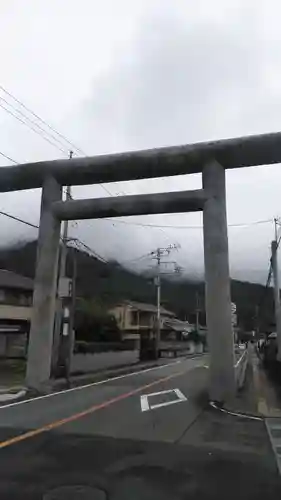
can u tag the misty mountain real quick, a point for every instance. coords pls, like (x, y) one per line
(110, 282)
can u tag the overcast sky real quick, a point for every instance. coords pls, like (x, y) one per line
(123, 75)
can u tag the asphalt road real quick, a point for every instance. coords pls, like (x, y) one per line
(121, 439)
(120, 397)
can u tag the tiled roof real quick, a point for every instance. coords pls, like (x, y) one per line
(8, 279)
(142, 306)
(178, 325)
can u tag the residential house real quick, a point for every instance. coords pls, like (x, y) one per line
(185, 331)
(133, 317)
(15, 310)
(177, 329)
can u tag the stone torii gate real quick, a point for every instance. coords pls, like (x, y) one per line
(210, 158)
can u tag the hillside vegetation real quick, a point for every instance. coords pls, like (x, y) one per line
(107, 283)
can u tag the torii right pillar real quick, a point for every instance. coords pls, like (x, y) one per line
(218, 300)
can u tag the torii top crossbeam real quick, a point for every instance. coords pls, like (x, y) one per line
(188, 159)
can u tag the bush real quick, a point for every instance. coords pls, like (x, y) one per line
(195, 337)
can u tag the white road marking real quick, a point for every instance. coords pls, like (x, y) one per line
(145, 404)
(79, 388)
(242, 415)
(180, 395)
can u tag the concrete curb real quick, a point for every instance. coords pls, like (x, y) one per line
(7, 396)
(12, 396)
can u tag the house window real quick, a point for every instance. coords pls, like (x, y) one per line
(23, 300)
(134, 318)
(145, 319)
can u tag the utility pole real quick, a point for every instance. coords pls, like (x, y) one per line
(65, 232)
(257, 315)
(158, 287)
(275, 228)
(70, 337)
(61, 328)
(158, 255)
(197, 311)
(65, 319)
(274, 263)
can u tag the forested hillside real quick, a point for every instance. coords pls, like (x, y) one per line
(109, 282)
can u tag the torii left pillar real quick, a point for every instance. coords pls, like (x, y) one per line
(44, 294)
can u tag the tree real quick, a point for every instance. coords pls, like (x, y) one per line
(94, 324)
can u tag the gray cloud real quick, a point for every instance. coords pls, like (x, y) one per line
(190, 71)
(178, 83)
(184, 79)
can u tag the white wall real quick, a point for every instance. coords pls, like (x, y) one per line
(15, 312)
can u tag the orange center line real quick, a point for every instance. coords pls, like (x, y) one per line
(76, 416)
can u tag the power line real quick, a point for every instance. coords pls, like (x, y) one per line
(41, 120)
(41, 132)
(87, 247)
(163, 226)
(32, 122)
(10, 216)
(27, 121)
(32, 128)
(9, 158)
(50, 127)
(35, 226)
(41, 128)
(98, 256)
(44, 122)
(164, 231)
(139, 258)
(18, 219)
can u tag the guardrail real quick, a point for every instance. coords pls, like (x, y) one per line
(240, 369)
